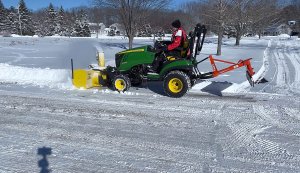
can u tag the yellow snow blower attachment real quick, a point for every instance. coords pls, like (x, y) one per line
(85, 79)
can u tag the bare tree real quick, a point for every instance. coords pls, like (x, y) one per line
(216, 15)
(255, 14)
(133, 14)
(240, 19)
(96, 16)
(263, 14)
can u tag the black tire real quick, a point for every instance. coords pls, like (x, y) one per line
(176, 84)
(135, 76)
(121, 83)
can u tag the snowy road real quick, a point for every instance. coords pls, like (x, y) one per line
(128, 133)
(283, 67)
(143, 131)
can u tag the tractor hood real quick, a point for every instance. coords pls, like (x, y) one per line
(137, 49)
(126, 59)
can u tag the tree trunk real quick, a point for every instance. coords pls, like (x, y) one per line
(220, 38)
(130, 42)
(238, 38)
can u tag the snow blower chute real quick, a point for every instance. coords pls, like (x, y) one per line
(178, 73)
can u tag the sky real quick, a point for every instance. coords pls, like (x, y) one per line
(67, 4)
(38, 4)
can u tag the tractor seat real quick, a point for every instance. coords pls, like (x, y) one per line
(179, 53)
(185, 48)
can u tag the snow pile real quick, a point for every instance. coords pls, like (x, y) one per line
(284, 36)
(26, 36)
(264, 68)
(53, 78)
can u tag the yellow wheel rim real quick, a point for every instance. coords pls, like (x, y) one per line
(120, 84)
(175, 85)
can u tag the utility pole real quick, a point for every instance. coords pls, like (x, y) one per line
(20, 24)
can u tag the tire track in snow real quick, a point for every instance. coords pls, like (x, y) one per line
(271, 117)
(295, 113)
(295, 60)
(290, 54)
(281, 79)
(270, 60)
(272, 148)
(286, 78)
(90, 133)
(242, 136)
(127, 138)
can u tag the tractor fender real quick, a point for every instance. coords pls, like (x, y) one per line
(184, 68)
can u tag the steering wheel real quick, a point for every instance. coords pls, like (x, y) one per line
(158, 45)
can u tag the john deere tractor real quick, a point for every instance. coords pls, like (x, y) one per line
(178, 73)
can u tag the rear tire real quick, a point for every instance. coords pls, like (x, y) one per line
(176, 84)
(121, 83)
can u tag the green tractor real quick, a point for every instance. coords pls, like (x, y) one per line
(178, 73)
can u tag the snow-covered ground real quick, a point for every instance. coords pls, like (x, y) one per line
(221, 125)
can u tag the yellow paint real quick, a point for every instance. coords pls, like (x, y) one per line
(171, 58)
(130, 51)
(104, 76)
(85, 78)
(175, 85)
(101, 59)
(80, 78)
(94, 78)
(120, 84)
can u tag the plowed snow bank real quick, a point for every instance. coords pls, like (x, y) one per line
(53, 78)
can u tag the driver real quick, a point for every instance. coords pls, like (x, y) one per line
(174, 47)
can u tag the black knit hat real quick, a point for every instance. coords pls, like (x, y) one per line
(176, 24)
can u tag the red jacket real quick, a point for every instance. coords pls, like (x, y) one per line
(177, 39)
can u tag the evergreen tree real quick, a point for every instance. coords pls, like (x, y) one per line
(13, 20)
(3, 18)
(86, 32)
(25, 23)
(61, 22)
(77, 29)
(81, 26)
(51, 22)
(70, 22)
(39, 23)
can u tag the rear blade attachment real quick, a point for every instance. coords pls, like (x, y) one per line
(249, 72)
(241, 63)
(250, 79)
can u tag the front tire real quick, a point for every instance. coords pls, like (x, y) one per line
(121, 83)
(176, 84)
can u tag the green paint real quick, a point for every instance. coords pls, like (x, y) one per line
(134, 57)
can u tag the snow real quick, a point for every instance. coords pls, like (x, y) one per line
(58, 76)
(52, 69)
(284, 36)
(52, 78)
(221, 125)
